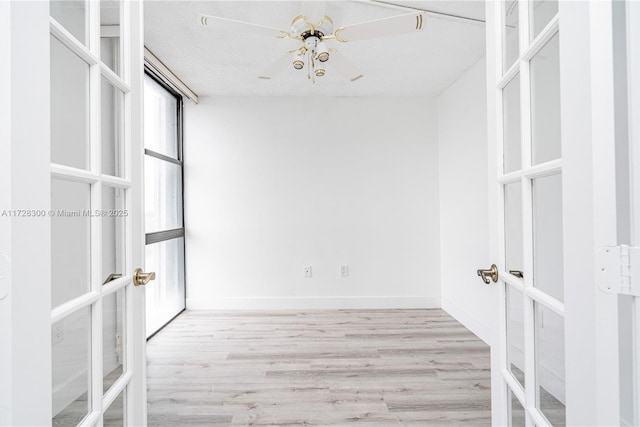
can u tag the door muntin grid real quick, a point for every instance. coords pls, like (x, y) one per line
(535, 380)
(92, 321)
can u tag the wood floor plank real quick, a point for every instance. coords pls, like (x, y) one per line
(318, 367)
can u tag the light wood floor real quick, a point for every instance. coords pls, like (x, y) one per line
(328, 367)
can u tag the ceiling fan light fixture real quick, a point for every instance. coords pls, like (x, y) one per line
(298, 60)
(323, 52)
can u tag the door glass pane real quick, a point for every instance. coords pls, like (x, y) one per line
(110, 34)
(114, 415)
(511, 125)
(113, 232)
(510, 33)
(70, 240)
(541, 13)
(160, 119)
(516, 413)
(113, 337)
(547, 235)
(545, 103)
(163, 195)
(69, 107)
(71, 367)
(72, 15)
(165, 298)
(513, 226)
(112, 105)
(515, 333)
(549, 336)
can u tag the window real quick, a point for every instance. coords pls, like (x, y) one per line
(164, 223)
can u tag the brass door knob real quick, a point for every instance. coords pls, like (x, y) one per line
(140, 278)
(488, 275)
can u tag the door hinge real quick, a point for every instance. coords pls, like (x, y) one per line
(619, 270)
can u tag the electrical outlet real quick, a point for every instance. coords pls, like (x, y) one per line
(57, 333)
(344, 270)
(307, 272)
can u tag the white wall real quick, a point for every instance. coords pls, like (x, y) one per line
(276, 184)
(464, 217)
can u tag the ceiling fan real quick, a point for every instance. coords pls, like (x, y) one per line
(315, 31)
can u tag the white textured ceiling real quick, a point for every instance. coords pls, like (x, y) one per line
(215, 63)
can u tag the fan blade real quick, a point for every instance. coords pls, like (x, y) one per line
(276, 68)
(241, 27)
(313, 10)
(402, 24)
(343, 66)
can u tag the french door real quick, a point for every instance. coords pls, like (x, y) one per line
(95, 171)
(530, 238)
(560, 196)
(80, 225)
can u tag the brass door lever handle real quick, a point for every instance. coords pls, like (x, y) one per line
(140, 278)
(112, 277)
(489, 275)
(516, 273)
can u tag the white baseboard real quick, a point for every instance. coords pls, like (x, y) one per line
(625, 423)
(311, 303)
(70, 390)
(480, 329)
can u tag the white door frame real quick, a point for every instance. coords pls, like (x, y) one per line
(633, 73)
(605, 207)
(25, 244)
(616, 210)
(26, 306)
(581, 322)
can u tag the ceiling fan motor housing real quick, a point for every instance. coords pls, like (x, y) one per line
(305, 28)
(311, 43)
